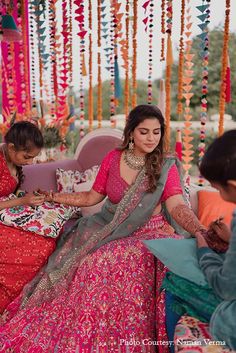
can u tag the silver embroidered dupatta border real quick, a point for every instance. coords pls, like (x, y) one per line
(112, 223)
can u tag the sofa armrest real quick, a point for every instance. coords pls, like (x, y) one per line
(43, 175)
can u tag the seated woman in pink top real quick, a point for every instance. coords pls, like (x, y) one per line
(100, 289)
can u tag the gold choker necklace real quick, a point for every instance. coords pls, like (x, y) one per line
(134, 162)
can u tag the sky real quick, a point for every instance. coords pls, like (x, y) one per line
(217, 8)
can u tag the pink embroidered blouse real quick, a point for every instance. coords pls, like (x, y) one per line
(110, 183)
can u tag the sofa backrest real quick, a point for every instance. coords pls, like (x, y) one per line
(95, 145)
(43, 175)
(90, 151)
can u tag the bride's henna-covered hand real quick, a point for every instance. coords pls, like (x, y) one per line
(186, 218)
(221, 229)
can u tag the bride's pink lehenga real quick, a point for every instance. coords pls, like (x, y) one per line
(113, 303)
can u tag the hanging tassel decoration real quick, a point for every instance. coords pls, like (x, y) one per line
(228, 83)
(163, 30)
(181, 60)
(204, 53)
(224, 69)
(187, 154)
(134, 64)
(126, 60)
(118, 89)
(169, 62)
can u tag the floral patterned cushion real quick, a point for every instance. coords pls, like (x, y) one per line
(192, 336)
(47, 219)
(69, 180)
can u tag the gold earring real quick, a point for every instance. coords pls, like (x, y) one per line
(131, 144)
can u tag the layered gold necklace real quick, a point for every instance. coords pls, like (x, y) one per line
(134, 162)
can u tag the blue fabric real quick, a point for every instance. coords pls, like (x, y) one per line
(171, 319)
(180, 256)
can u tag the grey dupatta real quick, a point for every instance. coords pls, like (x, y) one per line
(115, 221)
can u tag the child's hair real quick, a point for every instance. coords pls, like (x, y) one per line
(24, 136)
(219, 162)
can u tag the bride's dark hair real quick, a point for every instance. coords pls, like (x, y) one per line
(154, 160)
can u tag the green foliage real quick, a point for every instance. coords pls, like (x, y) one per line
(214, 77)
(51, 136)
(141, 98)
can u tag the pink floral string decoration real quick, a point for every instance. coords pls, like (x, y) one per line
(33, 41)
(228, 82)
(82, 33)
(125, 55)
(148, 22)
(90, 91)
(20, 78)
(11, 79)
(25, 84)
(187, 153)
(134, 58)
(1, 13)
(9, 102)
(62, 108)
(163, 29)
(204, 17)
(53, 58)
(110, 65)
(99, 89)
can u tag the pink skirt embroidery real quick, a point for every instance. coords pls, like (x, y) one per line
(112, 305)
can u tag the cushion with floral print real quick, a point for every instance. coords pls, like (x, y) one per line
(46, 219)
(69, 180)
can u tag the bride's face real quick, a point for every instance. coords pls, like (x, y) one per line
(146, 136)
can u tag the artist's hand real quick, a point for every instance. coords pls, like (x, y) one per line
(32, 200)
(221, 229)
(201, 242)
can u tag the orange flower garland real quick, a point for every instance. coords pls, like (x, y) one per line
(223, 69)
(181, 61)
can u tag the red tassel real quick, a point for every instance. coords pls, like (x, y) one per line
(178, 145)
(228, 84)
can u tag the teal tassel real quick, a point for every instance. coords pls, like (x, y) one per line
(118, 89)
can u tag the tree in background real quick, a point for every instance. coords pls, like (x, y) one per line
(141, 98)
(214, 79)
